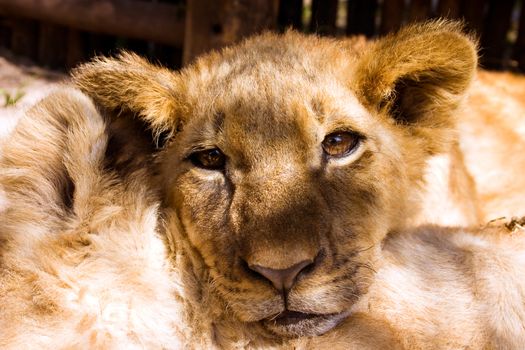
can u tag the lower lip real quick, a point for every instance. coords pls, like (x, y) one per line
(293, 317)
(294, 324)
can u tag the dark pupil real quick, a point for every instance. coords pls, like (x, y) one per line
(339, 144)
(211, 158)
(334, 140)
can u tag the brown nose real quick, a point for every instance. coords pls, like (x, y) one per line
(282, 279)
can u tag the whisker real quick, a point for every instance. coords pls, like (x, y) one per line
(367, 266)
(365, 249)
(272, 318)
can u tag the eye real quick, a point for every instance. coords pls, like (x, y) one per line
(340, 144)
(211, 159)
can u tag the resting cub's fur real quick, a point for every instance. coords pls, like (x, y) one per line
(285, 187)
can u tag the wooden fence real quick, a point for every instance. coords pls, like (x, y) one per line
(62, 33)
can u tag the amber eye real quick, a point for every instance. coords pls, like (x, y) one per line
(340, 144)
(211, 159)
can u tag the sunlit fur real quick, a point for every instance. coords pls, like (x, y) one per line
(81, 264)
(493, 142)
(108, 275)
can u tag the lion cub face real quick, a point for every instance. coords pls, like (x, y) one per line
(291, 159)
(278, 185)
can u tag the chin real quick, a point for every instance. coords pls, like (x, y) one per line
(297, 324)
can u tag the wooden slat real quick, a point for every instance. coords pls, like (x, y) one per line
(419, 10)
(163, 23)
(169, 56)
(474, 14)
(51, 45)
(5, 32)
(392, 15)
(24, 38)
(449, 8)
(214, 24)
(290, 14)
(324, 15)
(101, 44)
(494, 37)
(361, 15)
(519, 48)
(76, 48)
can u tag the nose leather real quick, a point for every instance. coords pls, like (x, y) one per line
(282, 279)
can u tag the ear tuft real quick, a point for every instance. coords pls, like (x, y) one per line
(420, 74)
(129, 83)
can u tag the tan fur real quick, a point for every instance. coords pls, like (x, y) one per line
(85, 263)
(492, 129)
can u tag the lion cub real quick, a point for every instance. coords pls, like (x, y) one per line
(258, 198)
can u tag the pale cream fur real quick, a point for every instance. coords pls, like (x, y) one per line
(107, 244)
(492, 129)
(95, 275)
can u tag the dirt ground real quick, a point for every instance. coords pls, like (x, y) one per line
(21, 85)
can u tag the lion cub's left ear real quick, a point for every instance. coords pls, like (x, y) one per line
(418, 76)
(128, 84)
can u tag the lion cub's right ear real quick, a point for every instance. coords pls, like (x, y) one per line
(418, 76)
(130, 84)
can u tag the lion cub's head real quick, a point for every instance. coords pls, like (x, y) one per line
(289, 158)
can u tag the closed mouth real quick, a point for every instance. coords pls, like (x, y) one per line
(294, 323)
(291, 317)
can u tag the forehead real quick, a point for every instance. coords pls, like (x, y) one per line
(269, 67)
(272, 88)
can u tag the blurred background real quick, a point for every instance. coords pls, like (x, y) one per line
(59, 34)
